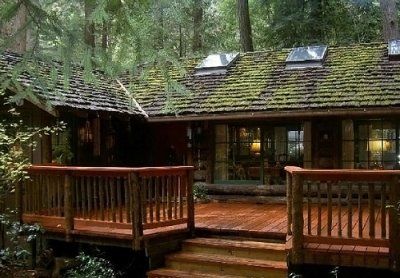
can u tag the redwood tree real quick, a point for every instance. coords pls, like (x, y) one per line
(197, 43)
(16, 30)
(389, 19)
(246, 42)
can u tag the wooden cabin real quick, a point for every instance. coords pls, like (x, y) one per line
(244, 117)
(318, 125)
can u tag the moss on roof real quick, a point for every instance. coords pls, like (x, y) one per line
(351, 77)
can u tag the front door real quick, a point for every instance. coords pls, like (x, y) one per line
(326, 144)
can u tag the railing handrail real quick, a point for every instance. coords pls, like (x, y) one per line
(122, 170)
(346, 172)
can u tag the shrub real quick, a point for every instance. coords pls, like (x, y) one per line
(200, 191)
(91, 267)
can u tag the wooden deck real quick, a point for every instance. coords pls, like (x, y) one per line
(262, 221)
(338, 217)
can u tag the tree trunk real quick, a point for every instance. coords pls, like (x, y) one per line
(197, 25)
(16, 31)
(160, 24)
(389, 19)
(246, 42)
(105, 35)
(89, 25)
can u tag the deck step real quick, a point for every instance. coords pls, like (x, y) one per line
(237, 248)
(225, 257)
(226, 265)
(169, 273)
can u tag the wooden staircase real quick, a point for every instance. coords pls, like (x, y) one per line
(219, 257)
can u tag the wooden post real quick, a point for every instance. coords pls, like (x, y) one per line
(19, 201)
(298, 220)
(289, 199)
(190, 202)
(68, 207)
(137, 222)
(394, 236)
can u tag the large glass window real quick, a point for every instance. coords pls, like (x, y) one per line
(256, 154)
(376, 145)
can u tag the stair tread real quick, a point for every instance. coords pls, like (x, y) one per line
(167, 272)
(227, 260)
(244, 244)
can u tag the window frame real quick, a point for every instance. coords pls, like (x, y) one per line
(264, 158)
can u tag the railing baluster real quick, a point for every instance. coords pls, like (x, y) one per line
(95, 197)
(107, 187)
(371, 209)
(329, 193)
(175, 187)
(360, 211)
(83, 192)
(383, 210)
(49, 195)
(119, 200)
(339, 209)
(163, 197)
(157, 197)
(143, 198)
(309, 208)
(150, 198)
(101, 197)
(113, 200)
(127, 200)
(89, 196)
(349, 211)
(180, 185)
(58, 181)
(169, 197)
(319, 207)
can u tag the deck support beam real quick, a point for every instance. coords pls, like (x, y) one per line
(394, 235)
(298, 221)
(68, 208)
(137, 222)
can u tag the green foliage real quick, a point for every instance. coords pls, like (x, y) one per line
(15, 137)
(15, 255)
(200, 191)
(91, 267)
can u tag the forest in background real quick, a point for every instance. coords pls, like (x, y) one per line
(120, 34)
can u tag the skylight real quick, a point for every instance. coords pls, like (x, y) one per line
(394, 49)
(216, 63)
(306, 56)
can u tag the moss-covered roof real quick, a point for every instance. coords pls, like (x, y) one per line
(358, 76)
(48, 85)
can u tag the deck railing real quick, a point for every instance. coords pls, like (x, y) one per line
(353, 207)
(121, 198)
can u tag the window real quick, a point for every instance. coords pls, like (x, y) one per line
(308, 56)
(256, 154)
(375, 144)
(216, 63)
(394, 49)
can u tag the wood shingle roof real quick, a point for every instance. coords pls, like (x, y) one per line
(48, 85)
(357, 76)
